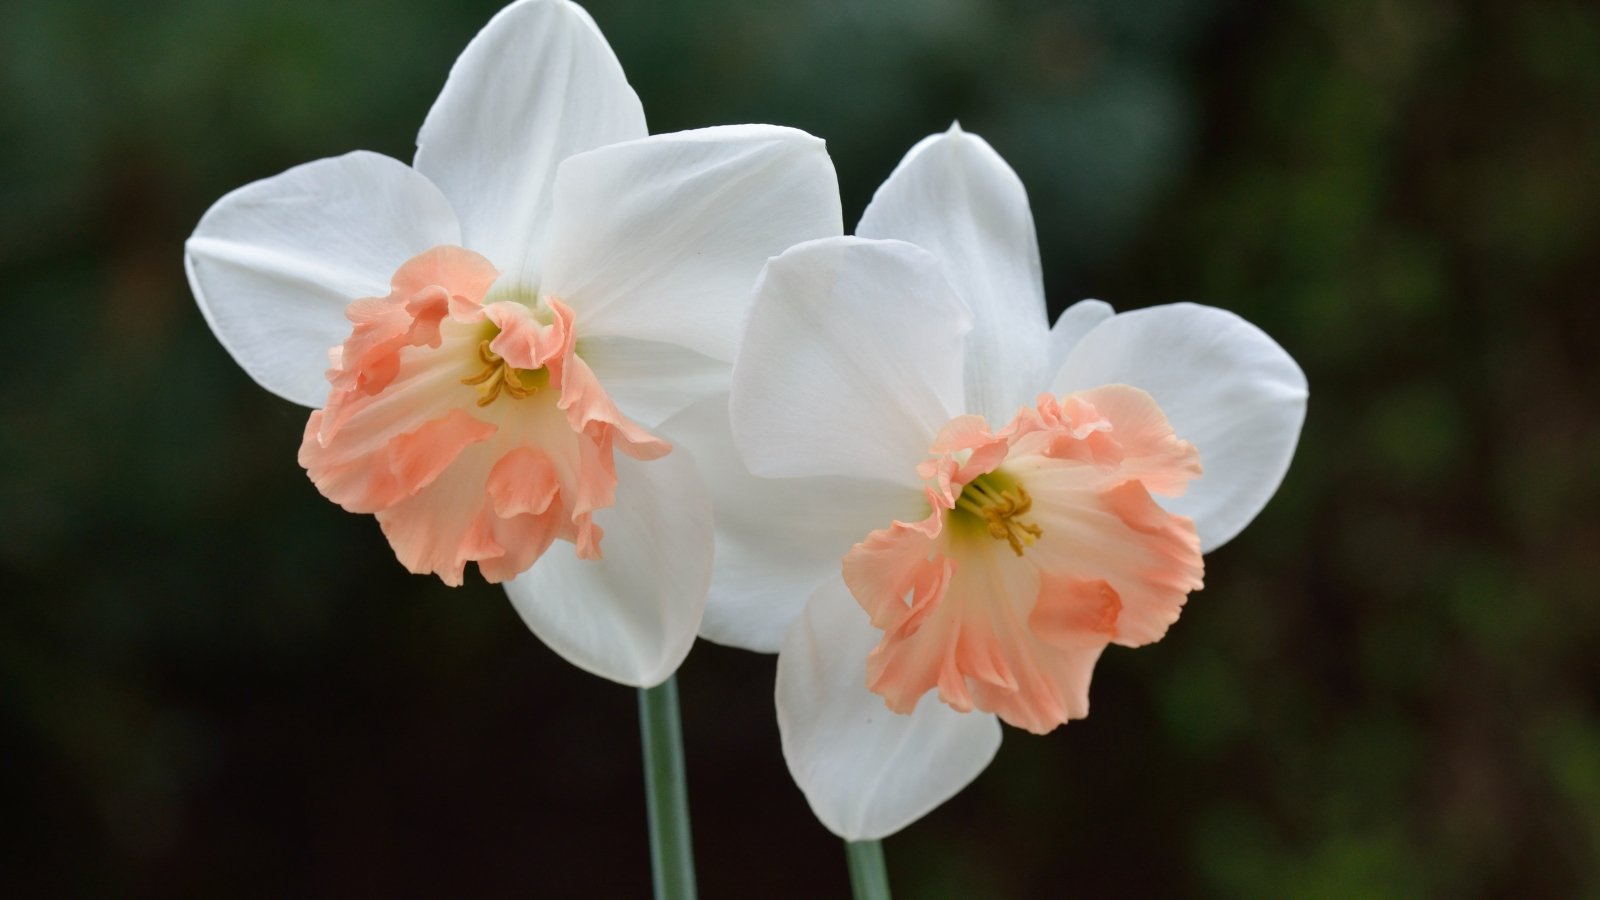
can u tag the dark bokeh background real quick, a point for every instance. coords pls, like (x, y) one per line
(213, 683)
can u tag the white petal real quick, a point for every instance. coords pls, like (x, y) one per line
(955, 197)
(777, 538)
(851, 362)
(650, 380)
(538, 84)
(632, 616)
(274, 264)
(866, 771)
(1074, 322)
(1224, 385)
(662, 238)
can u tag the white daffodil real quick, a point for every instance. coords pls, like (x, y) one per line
(510, 320)
(961, 512)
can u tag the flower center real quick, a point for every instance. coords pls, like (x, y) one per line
(497, 377)
(999, 504)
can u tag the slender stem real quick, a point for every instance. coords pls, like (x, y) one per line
(869, 879)
(666, 793)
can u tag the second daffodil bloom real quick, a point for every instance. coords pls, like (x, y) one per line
(493, 335)
(966, 506)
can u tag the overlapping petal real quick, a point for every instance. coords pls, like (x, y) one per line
(630, 616)
(652, 380)
(536, 85)
(777, 538)
(1074, 322)
(955, 197)
(1224, 385)
(274, 264)
(660, 239)
(867, 772)
(851, 361)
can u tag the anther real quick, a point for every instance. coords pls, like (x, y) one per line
(495, 377)
(1001, 511)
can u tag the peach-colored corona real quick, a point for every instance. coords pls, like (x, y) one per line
(1042, 545)
(473, 431)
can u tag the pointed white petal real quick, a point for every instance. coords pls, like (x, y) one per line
(1074, 322)
(632, 616)
(274, 264)
(777, 538)
(662, 238)
(955, 197)
(866, 771)
(851, 362)
(536, 85)
(1224, 385)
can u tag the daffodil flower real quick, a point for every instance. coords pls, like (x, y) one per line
(492, 335)
(958, 506)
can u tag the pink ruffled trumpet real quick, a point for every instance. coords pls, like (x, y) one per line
(491, 482)
(521, 310)
(943, 510)
(1042, 546)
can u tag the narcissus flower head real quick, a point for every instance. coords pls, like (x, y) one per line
(1042, 546)
(495, 334)
(943, 510)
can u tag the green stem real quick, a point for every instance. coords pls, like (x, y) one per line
(869, 879)
(666, 793)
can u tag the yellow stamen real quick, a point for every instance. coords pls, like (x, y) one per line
(496, 376)
(1001, 510)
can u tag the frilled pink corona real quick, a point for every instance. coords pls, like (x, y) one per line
(472, 430)
(1042, 546)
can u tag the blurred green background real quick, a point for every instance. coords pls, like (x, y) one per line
(213, 683)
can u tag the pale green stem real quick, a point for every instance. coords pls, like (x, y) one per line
(869, 879)
(666, 792)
